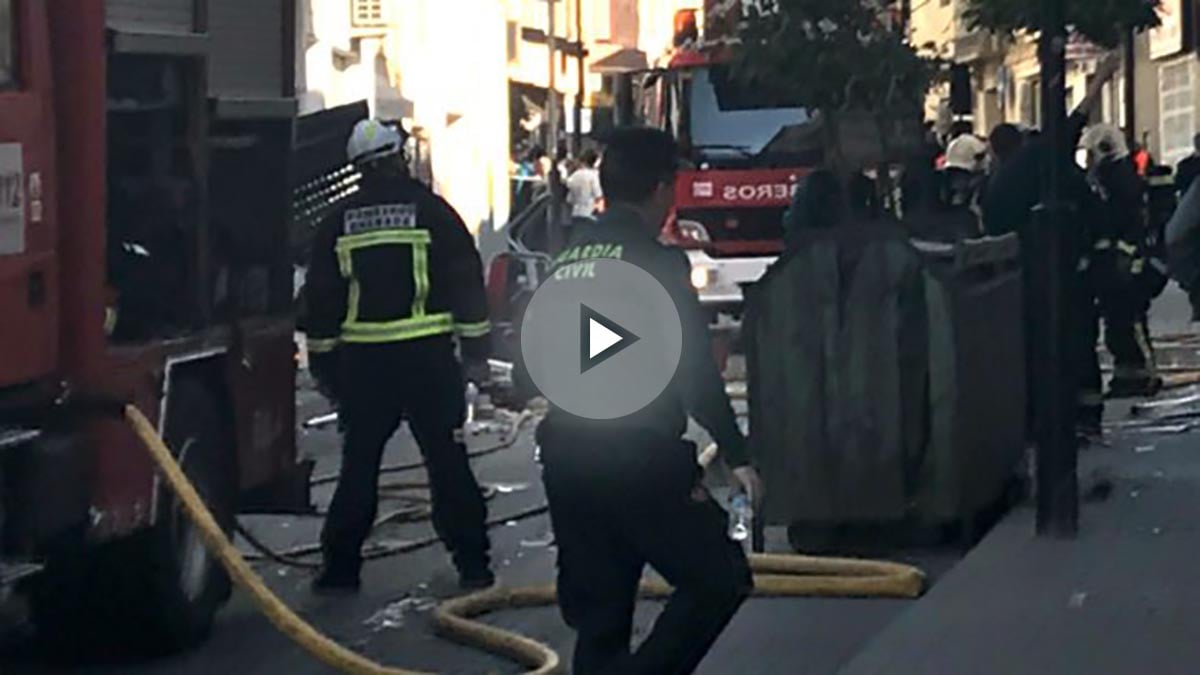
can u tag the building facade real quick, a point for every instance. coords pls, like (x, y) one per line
(1002, 72)
(472, 78)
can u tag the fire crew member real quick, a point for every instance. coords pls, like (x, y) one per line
(394, 277)
(1010, 204)
(1119, 261)
(625, 493)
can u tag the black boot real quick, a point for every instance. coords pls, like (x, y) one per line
(337, 579)
(475, 574)
(1135, 387)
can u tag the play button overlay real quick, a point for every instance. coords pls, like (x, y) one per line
(601, 339)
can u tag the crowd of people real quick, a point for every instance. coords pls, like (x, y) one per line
(1115, 237)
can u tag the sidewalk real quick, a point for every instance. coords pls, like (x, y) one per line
(1122, 599)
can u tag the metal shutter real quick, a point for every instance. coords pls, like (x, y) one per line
(154, 16)
(246, 60)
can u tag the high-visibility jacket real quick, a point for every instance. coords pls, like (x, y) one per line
(394, 264)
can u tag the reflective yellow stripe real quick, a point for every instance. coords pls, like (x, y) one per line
(420, 263)
(473, 330)
(1138, 266)
(321, 346)
(1103, 244)
(348, 244)
(1127, 248)
(353, 301)
(398, 331)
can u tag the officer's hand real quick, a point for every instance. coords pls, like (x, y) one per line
(477, 371)
(750, 482)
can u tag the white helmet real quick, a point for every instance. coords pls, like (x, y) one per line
(372, 140)
(967, 153)
(1104, 142)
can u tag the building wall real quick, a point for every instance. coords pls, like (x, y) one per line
(451, 93)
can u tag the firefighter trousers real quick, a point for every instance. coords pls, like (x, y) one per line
(381, 385)
(1127, 337)
(620, 501)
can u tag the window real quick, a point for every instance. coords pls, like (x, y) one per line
(8, 44)
(1178, 110)
(514, 41)
(368, 13)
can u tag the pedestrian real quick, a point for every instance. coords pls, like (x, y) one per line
(1119, 261)
(626, 493)
(1188, 169)
(395, 277)
(584, 192)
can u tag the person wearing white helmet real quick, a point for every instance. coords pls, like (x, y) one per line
(394, 286)
(1119, 261)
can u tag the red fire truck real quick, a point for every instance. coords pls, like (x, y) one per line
(748, 148)
(144, 201)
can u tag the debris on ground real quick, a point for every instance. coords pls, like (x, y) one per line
(542, 542)
(509, 488)
(1077, 599)
(321, 421)
(392, 616)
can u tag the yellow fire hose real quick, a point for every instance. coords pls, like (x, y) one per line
(775, 575)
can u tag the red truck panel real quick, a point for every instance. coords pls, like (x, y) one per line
(29, 284)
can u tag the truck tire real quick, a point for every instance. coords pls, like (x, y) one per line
(157, 591)
(185, 585)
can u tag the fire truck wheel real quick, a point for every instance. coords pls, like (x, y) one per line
(186, 585)
(157, 591)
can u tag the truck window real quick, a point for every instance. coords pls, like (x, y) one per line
(727, 115)
(8, 44)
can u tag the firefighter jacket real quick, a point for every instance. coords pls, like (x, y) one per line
(697, 389)
(392, 265)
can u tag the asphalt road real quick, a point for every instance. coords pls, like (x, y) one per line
(389, 621)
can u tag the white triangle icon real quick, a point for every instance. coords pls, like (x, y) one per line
(600, 338)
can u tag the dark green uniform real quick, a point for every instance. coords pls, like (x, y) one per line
(623, 493)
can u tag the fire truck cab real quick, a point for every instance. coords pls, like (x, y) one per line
(747, 149)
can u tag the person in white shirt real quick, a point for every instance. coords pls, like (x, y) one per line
(583, 188)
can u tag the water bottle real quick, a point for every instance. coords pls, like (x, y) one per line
(472, 399)
(741, 517)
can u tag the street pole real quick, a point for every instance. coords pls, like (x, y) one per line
(552, 87)
(1052, 276)
(578, 140)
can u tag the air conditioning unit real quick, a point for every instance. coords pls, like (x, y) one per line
(368, 13)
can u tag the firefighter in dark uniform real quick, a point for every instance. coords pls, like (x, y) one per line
(1010, 204)
(1119, 262)
(625, 493)
(395, 276)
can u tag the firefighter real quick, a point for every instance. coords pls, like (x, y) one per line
(395, 276)
(1013, 194)
(626, 493)
(1119, 262)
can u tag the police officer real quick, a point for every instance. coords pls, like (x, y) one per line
(625, 493)
(394, 277)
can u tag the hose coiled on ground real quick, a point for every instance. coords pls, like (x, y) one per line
(775, 575)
